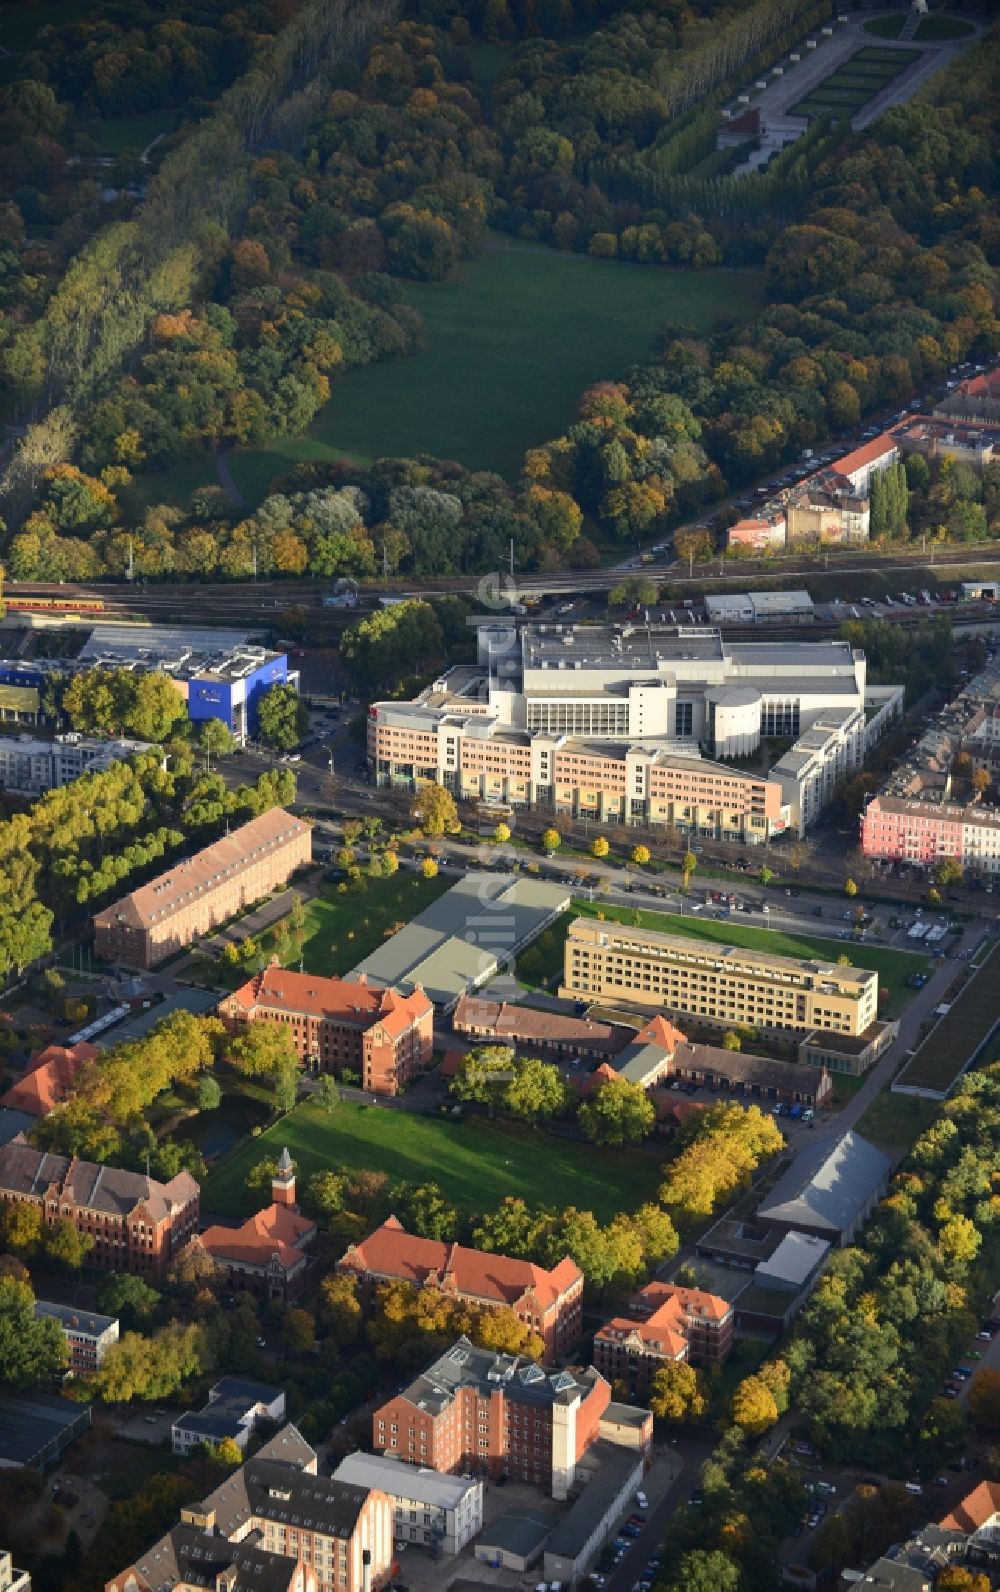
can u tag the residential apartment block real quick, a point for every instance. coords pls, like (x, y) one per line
(610, 722)
(724, 985)
(159, 919)
(88, 1336)
(810, 771)
(31, 767)
(925, 813)
(547, 1301)
(441, 1513)
(829, 505)
(494, 1414)
(273, 1524)
(338, 1024)
(138, 1225)
(665, 1324)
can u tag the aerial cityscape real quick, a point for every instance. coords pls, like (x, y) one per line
(499, 796)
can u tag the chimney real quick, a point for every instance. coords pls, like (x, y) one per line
(283, 1182)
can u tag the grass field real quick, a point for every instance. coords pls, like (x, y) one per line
(941, 1058)
(895, 1122)
(888, 27)
(932, 28)
(893, 967)
(475, 1162)
(340, 931)
(511, 342)
(121, 135)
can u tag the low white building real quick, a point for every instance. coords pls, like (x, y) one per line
(612, 1475)
(30, 766)
(439, 1512)
(235, 1407)
(775, 607)
(729, 608)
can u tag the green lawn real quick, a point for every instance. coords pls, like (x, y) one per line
(341, 930)
(475, 1162)
(893, 967)
(895, 1122)
(120, 135)
(941, 28)
(511, 342)
(945, 1052)
(174, 485)
(888, 27)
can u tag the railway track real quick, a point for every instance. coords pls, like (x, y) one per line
(255, 603)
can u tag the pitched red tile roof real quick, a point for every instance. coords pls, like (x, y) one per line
(339, 999)
(978, 1506)
(525, 1024)
(169, 892)
(390, 1251)
(278, 1230)
(658, 1031)
(689, 1301)
(866, 454)
(657, 1334)
(46, 1084)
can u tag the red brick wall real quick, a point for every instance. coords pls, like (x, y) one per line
(589, 1414)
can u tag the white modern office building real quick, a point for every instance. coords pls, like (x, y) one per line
(622, 724)
(31, 766)
(438, 1511)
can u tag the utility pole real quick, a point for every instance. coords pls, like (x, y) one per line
(512, 557)
(131, 560)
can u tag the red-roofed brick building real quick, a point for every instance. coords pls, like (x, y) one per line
(548, 1301)
(550, 1033)
(267, 1254)
(137, 1224)
(666, 1324)
(385, 1037)
(46, 1083)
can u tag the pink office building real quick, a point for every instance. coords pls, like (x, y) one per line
(900, 829)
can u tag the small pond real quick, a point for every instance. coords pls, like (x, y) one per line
(216, 1132)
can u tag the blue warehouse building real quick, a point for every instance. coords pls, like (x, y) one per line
(231, 690)
(221, 674)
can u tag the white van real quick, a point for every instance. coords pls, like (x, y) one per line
(914, 1487)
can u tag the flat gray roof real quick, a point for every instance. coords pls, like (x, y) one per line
(400, 1480)
(520, 1531)
(33, 1425)
(616, 1466)
(794, 1260)
(826, 1186)
(615, 646)
(198, 1001)
(462, 937)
